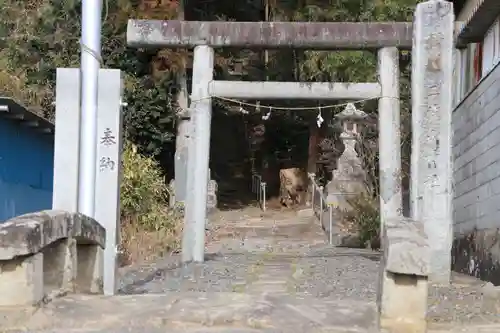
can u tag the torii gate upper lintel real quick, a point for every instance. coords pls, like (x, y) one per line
(270, 35)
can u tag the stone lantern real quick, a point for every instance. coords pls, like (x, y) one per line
(349, 177)
(349, 164)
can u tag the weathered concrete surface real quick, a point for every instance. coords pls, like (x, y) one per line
(29, 233)
(49, 253)
(269, 35)
(211, 311)
(20, 281)
(405, 247)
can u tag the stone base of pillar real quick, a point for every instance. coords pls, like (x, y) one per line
(403, 288)
(403, 303)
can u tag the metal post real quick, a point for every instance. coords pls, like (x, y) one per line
(321, 205)
(313, 188)
(90, 63)
(259, 189)
(330, 214)
(263, 196)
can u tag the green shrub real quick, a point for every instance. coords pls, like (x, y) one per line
(365, 218)
(149, 227)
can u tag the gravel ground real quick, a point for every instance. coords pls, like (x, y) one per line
(284, 262)
(323, 273)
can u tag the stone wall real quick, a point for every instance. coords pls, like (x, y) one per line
(476, 178)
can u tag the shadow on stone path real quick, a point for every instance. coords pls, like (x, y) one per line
(270, 272)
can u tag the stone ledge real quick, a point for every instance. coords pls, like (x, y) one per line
(49, 253)
(406, 250)
(30, 233)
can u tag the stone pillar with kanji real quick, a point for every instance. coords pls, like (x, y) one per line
(108, 172)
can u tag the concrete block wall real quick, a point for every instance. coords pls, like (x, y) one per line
(26, 168)
(476, 180)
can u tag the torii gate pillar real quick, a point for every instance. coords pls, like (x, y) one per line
(193, 243)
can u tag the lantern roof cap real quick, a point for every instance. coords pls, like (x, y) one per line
(351, 113)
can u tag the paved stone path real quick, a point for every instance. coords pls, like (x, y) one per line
(265, 274)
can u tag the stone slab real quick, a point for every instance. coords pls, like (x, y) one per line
(29, 233)
(20, 282)
(406, 250)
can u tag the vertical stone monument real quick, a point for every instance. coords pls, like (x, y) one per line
(349, 177)
(431, 156)
(108, 173)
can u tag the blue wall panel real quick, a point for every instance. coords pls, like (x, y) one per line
(26, 169)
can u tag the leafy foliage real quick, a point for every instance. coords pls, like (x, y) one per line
(143, 191)
(40, 35)
(365, 219)
(37, 36)
(147, 225)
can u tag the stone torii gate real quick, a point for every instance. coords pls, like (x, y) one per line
(385, 37)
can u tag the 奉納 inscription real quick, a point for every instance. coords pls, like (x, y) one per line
(106, 163)
(108, 139)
